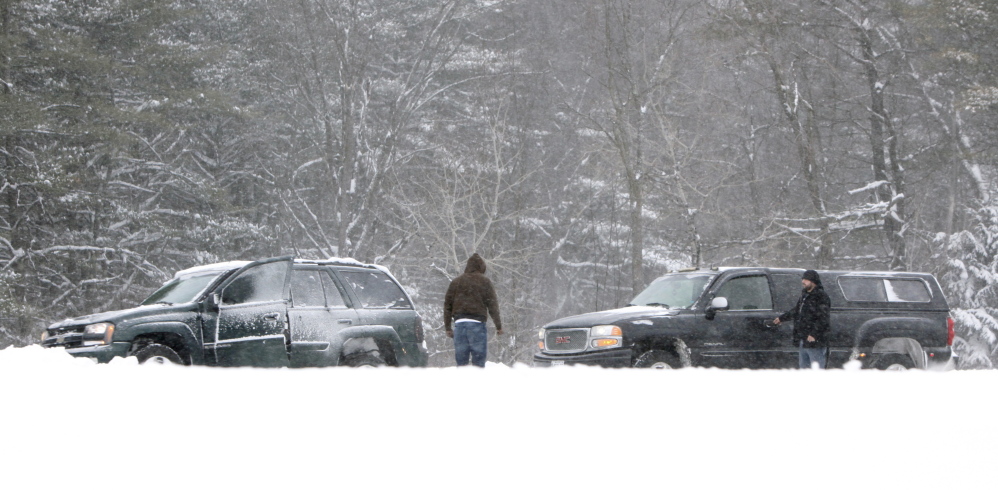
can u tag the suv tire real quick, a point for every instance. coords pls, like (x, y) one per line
(366, 359)
(658, 359)
(158, 354)
(894, 362)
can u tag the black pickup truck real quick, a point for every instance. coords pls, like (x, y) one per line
(723, 318)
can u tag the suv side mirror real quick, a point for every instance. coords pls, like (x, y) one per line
(717, 304)
(213, 301)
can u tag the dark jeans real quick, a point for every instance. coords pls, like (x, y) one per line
(470, 340)
(811, 356)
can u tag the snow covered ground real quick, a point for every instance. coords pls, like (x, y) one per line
(69, 423)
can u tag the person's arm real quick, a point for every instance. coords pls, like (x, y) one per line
(824, 314)
(449, 309)
(789, 315)
(492, 304)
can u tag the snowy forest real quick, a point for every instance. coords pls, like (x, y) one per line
(583, 147)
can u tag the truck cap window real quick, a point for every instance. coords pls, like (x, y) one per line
(884, 289)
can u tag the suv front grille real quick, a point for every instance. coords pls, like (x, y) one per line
(68, 337)
(567, 340)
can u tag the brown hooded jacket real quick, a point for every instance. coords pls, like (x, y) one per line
(471, 295)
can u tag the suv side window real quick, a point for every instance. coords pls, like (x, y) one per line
(334, 297)
(747, 293)
(262, 283)
(306, 288)
(375, 289)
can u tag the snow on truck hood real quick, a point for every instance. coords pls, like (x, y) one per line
(627, 313)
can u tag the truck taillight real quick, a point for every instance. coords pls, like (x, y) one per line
(951, 330)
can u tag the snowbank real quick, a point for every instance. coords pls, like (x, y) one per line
(70, 422)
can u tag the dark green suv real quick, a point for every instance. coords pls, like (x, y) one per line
(270, 313)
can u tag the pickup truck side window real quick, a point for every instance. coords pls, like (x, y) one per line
(306, 288)
(375, 289)
(747, 293)
(261, 283)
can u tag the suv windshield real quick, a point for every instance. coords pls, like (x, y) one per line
(673, 291)
(182, 290)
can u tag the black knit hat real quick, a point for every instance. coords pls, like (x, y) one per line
(812, 276)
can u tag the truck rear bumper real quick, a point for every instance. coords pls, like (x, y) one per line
(612, 358)
(941, 359)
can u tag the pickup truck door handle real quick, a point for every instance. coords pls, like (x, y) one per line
(272, 317)
(344, 322)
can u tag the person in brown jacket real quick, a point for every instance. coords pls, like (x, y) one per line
(469, 301)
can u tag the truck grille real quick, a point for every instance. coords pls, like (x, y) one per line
(563, 341)
(65, 337)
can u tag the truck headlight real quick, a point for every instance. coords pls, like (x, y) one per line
(98, 333)
(606, 331)
(604, 336)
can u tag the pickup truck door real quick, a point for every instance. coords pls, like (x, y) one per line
(746, 337)
(251, 322)
(318, 313)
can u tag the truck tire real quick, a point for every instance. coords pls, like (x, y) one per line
(158, 354)
(658, 359)
(367, 359)
(894, 362)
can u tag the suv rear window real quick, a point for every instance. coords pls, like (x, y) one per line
(884, 289)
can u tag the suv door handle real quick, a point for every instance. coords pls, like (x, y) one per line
(272, 317)
(344, 322)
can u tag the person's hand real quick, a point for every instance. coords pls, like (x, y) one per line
(450, 333)
(777, 321)
(498, 331)
(810, 338)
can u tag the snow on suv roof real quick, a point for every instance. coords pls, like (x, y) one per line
(236, 264)
(219, 267)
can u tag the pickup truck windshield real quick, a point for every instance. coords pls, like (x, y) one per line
(182, 290)
(673, 291)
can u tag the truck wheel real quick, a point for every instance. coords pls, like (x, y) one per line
(366, 359)
(658, 359)
(894, 362)
(158, 354)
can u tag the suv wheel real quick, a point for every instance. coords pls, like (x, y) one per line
(158, 354)
(367, 359)
(658, 359)
(894, 362)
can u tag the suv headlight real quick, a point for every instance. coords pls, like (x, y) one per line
(98, 333)
(604, 336)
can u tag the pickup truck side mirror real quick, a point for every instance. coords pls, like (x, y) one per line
(717, 304)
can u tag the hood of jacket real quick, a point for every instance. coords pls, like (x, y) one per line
(475, 264)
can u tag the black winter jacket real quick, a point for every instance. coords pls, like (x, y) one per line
(811, 316)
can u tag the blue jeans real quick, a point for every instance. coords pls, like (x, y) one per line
(811, 356)
(470, 340)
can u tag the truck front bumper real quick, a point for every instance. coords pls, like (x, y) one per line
(615, 358)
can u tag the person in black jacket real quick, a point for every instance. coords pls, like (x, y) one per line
(811, 317)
